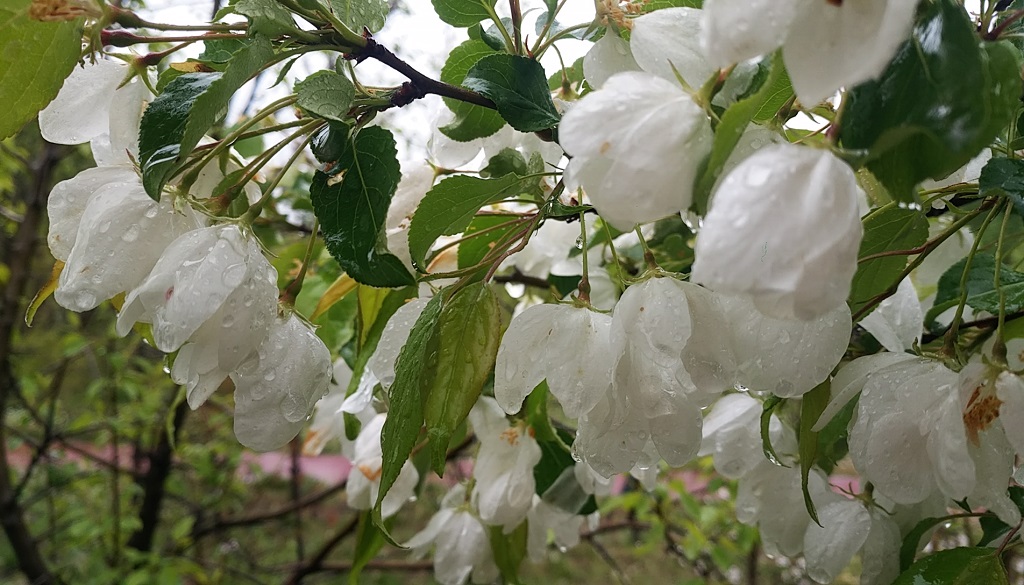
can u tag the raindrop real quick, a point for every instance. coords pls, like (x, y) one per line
(579, 243)
(293, 407)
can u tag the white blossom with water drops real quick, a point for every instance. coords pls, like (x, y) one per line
(276, 388)
(213, 295)
(609, 55)
(731, 434)
(847, 528)
(636, 145)
(120, 236)
(69, 198)
(392, 339)
(568, 346)
(367, 466)
(666, 42)
(328, 421)
(825, 45)
(898, 320)
(784, 228)
(770, 497)
(545, 522)
(504, 466)
(411, 190)
(81, 110)
(462, 547)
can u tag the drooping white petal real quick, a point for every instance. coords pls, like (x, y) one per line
(880, 560)
(828, 548)
(121, 235)
(570, 347)
(770, 497)
(367, 463)
(796, 264)
(637, 163)
(328, 422)
(737, 30)
(609, 55)
(669, 39)
(832, 45)
(464, 550)
(68, 200)
(126, 107)
(411, 190)
(898, 320)
(849, 381)
(276, 389)
(81, 110)
(392, 339)
(1010, 391)
(994, 460)
(504, 467)
(544, 519)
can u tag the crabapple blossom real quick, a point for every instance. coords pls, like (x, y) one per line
(544, 519)
(392, 339)
(328, 422)
(667, 42)
(770, 498)
(825, 45)
(276, 388)
(796, 264)
(609, 55)
(848, 527)
(898, 321)
(567, 346)
(462, 548)
(504, 466)
(731, 434)
(611, 135)
(69, 198)
(364, 479)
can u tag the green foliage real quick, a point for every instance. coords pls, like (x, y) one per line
(178, 118)
(266, 17)
(887, 229)
(352, 211)
(964, 95)
(471, 121)
(359, 14)
(449, 207)
(811, 407)
(519, 89)
(327, 95)
(463, 13)
(35, 58)
(468, 331)
(958, 566)
(982, 294)
(509, 551)
(1005, 176)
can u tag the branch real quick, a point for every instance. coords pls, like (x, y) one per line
(315, 563)
(419, 85)
(221, 525)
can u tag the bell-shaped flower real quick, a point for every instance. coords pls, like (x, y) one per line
(770, 498)
(69, 198)
(636, 146)
(544, 521)
(848, 527)
(411, 190)
(731, 434)
(121, 234)
(796, 210)
(213, 295)
(504, 466)
(570, 347)
(329, 413)
(276, 388)
(549, 247)
(651, 409)
(666, 42)
(1010, 391)
(609, 55)
(898, 321)
(392, 340)
(367, 465)
(92, 107)
(825, 45)
(462, 547)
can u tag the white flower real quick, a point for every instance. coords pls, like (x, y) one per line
(848, 527)
(544, 519)
(549, 246)
(651, 408)
(504, 466)
(1010, 391)
(898, 320)
(120, 235)
(825, 45)
(329, 413)
(276, 388)
(795, 210)
(213, 174)
(462, 546)
(636, 145)
(392, 339)
(68, 200)
(609, 55)
(667, 41)
(411, 190)
(213, 289)
(770, 498)
(91, 107)
(568, 346)
(732, 435)
(367, 464)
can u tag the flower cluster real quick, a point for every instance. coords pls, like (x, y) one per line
(206, 291)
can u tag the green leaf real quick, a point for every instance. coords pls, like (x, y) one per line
(463, 13)
(220, 51)
(266, 17)
(811, 407)
(573, 74)
(358, 14)
(887, 229)
(767, 410)
(941, 100)
(519, 89)
(652, 5)
(369, 541)
(352, 211)
(1006, 176)
(329, 143)
(982, 294)
(509, 551)
(326, 94)
(497, 227)
(405, 414)
(957, 566)
(178, 118)
(468, 331)
(509, 160)
(471, 121)
(912, 541)
(490, 35)
(733, 123)
(35, 58)
(449, 207)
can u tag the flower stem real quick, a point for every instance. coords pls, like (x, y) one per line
(291, 292)
(999, 349)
